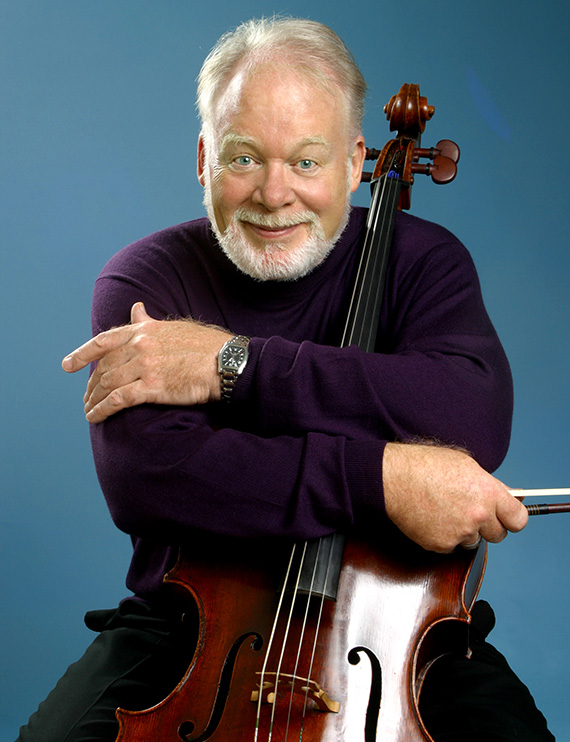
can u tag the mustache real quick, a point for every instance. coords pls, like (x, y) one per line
(274, 221)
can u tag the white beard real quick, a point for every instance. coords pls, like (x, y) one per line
(276, 261)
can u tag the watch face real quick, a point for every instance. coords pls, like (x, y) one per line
(233, 356)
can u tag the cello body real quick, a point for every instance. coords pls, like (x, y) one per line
(398, 608)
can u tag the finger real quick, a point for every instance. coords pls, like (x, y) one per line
(512, 513)
(92, 382)
(494, 535)
(104, 382)
(95, 378)
(119, 399)
(96, 348)
(517, 493)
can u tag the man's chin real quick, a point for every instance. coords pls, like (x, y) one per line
(275, 261)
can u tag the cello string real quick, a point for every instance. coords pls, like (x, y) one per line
(366, 286)
(270, 642)
(368, 342)
(309, 596)
(379, 188)
(381, 256)
(376, 239)
(386, 191)
(287, 628)
(317, 629)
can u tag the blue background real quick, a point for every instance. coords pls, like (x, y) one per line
(98, 135)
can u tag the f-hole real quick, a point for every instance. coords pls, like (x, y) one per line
(374, 699)
(186, 729)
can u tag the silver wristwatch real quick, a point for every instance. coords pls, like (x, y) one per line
(232, 360)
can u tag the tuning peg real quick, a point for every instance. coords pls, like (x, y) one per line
(444, 147)
(442, 170)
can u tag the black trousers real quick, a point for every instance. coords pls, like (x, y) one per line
(140, 655)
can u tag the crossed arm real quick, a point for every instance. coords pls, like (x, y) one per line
(438, 496)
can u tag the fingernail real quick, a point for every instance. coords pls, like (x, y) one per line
(67, 363)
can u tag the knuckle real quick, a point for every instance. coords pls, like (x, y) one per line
(479, 515)
(143, 341)
(105, 381)
(100, 341)
(101, 368)
(134, 394)
(115, 399)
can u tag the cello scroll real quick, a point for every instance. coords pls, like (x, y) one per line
(408, 113)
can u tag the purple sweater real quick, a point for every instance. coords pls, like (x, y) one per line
(298, 452)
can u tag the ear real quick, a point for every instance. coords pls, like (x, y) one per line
(201, 166)
(357, 163)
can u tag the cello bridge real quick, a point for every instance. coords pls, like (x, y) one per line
(302, 686)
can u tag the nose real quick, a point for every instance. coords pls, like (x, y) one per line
(273, 190)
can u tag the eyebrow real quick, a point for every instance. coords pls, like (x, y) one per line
(232, 138)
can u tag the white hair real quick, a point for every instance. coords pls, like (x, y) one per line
(308, 47)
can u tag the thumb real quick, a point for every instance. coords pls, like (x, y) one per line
(512, 513)
(138, 313)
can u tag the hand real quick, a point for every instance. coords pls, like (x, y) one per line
(441, 498)
(157, 361)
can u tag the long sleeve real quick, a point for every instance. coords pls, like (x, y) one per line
(299, 452)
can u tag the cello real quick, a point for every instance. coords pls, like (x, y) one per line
(330, 640)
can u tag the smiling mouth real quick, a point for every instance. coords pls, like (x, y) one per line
(273, 229)
(273, 233)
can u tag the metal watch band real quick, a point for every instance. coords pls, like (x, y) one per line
(228, 379)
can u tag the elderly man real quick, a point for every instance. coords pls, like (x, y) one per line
(267, 429)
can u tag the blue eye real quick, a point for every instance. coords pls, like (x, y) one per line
(306, 164)
(244, 160)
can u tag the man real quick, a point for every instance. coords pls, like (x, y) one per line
(296, 438)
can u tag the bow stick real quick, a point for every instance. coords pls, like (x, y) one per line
(543, 508)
